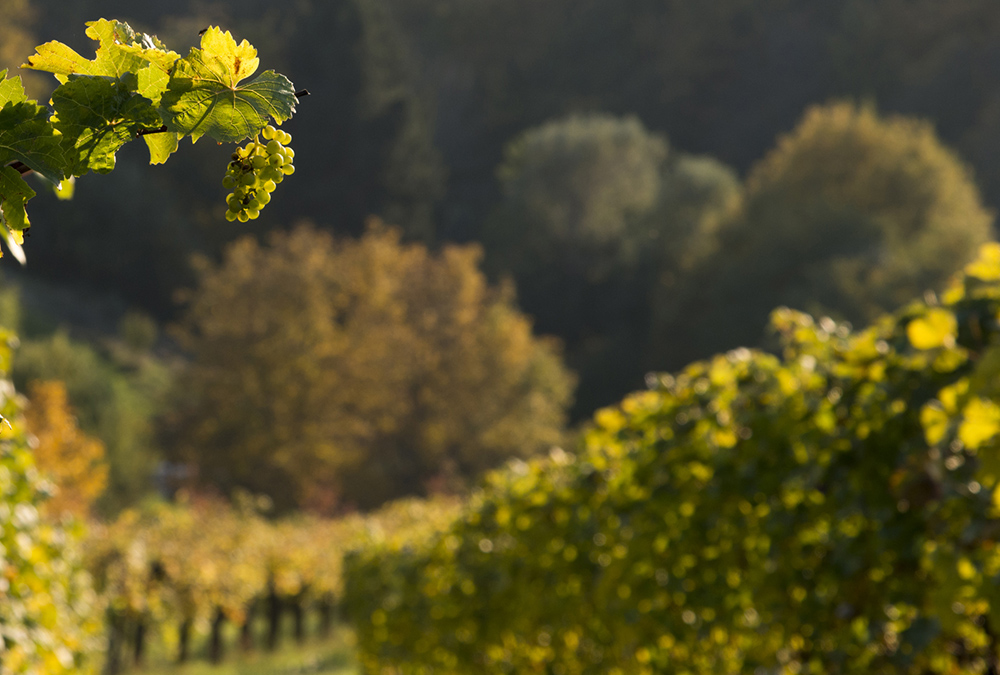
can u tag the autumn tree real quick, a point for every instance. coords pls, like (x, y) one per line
(337, 371)
(852, 214)
(71, 458)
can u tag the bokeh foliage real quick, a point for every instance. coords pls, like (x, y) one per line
(49, 613)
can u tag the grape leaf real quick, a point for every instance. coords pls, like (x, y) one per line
(27, 136)
(11, 91)
(120, 50)
(205, 96)
(935, 329)
(161, 146)
(97, 116)
(14, 194)
(153, 81)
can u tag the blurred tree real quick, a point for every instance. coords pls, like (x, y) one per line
(851, 214)
(334, 372)
(595, 210)
(138, 331)
(116, 407)
(72, 459)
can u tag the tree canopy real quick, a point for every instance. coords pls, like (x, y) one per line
(851, 214)
(596, 209)
(329, 372)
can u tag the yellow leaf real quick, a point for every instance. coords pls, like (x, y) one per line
(966, 569)
(987, 266)
(981, 422)
(937, 328)
(934, 420)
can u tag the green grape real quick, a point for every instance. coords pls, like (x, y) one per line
(255, 172)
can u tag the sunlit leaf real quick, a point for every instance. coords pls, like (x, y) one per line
(937, 328)
(986, 267)
(27, 136)
(97, 116)
(980, 422)
(205, 94)
(120, 50)
(14, 193)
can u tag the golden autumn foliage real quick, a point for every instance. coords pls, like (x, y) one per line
(71, 458)
(330, 372)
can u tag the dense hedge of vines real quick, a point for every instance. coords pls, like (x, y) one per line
(829, 509)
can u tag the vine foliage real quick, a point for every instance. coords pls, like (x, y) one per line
(134, 87)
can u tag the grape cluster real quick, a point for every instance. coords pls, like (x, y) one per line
(255, 171)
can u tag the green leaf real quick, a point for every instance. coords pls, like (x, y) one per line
(161, 146)
(205, 95)
(153, 82)
(14, 194)
(11, 91)
(97, 116)
(27, 136)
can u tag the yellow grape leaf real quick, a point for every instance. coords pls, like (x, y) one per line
(987, 266)
(934, 420)
(609, 419)
(966, 569)
(937, 328)
(206, 94)
(981, 422)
